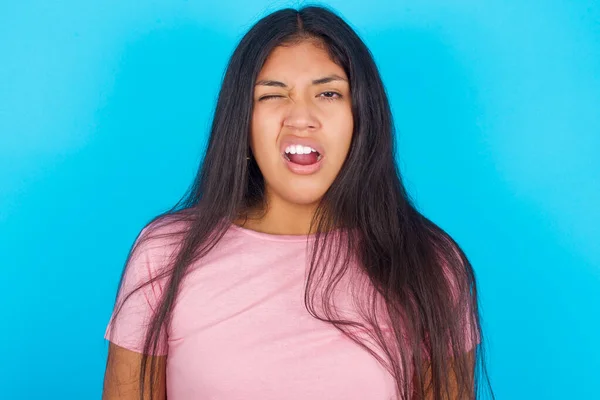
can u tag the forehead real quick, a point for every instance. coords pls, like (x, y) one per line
(304, 58)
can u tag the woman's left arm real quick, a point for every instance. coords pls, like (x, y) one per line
(452, 383)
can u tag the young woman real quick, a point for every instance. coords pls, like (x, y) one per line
(297, 266)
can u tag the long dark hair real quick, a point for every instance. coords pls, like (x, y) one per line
(425, 280)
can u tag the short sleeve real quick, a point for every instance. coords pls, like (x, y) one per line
(128, 328)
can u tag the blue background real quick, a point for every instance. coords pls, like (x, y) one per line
(104, 112)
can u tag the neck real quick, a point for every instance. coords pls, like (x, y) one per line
(282, 218)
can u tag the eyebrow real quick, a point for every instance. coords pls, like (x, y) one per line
(320, 81)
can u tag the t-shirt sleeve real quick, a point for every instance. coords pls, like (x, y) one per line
(128, 327)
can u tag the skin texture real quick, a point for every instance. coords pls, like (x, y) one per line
(320, 111)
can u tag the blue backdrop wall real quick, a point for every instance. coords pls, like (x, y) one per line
(104, 111)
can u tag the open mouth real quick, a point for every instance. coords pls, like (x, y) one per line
(303, 159)
(302, 155)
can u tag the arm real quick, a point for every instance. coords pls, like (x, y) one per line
(453, 386)
(122, 376)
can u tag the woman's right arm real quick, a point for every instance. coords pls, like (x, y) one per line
(122, 375)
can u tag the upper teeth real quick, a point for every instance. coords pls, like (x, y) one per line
(299, 149)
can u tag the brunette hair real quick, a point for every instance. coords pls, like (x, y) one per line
(424, 279)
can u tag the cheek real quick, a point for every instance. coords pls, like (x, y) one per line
(264, 129)
(345, 124)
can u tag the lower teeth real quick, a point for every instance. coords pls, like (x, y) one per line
(288, 158)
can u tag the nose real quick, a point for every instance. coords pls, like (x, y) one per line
(301, 116)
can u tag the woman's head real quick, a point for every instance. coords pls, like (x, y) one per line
(300, 78)
(301, 104)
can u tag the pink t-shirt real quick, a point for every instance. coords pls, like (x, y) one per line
(240, 329)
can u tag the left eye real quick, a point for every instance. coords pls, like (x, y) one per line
(331, 95)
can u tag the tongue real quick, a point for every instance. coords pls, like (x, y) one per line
(303, 159)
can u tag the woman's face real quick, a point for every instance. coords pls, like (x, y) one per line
(301, 97)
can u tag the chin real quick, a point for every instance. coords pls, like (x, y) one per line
(303, 197)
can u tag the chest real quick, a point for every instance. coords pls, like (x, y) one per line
(244, 333)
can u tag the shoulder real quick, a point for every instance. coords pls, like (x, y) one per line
(161, 234)
(156, 244)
